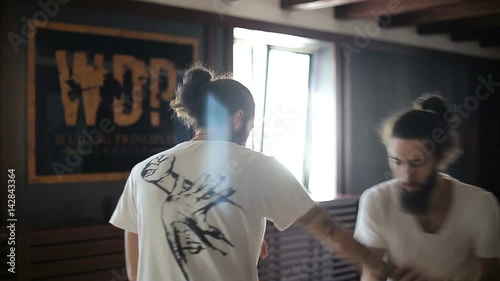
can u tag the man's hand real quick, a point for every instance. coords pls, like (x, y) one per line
(263, 250)
(367, 273)
(486, 269)
(406, 273)
(323, 227)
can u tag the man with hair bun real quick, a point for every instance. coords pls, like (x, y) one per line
(197, 211)
(427, 224)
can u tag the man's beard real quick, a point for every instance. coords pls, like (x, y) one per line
(239, 136)
(417, 202)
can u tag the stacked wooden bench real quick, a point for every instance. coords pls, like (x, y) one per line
(295, 255)
(72, 254)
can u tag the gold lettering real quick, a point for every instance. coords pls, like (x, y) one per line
(158, 64)
(140, 139)
(122, 64)
(75, 139)
(84, 83)
(71, 140)
(122, 139)
(153, 139)
(81, 138)
(61, 139)
(107, 139)
(70, 106)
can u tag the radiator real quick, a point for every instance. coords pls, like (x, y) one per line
(295, 255)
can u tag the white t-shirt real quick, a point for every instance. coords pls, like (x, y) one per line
(471, 228)
(200, 210)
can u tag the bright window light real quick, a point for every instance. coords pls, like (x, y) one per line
(296, 127)
(286, 109)
(323, 169)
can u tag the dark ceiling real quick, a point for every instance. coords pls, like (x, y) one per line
(462, 20)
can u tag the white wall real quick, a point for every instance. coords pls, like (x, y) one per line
(323, 20)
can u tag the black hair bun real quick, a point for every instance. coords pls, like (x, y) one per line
(198, 77)
(434, 103)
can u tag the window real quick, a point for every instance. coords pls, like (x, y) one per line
(292, 81)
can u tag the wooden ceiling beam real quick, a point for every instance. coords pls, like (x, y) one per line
(447, 13)
(314, 4)
(475, 34)
(460, 25)
(490, 42)
(369, 8)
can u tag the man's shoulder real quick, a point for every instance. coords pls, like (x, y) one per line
(381, 194)
(383, 189)
(247, 157)
(473, 200)
(473, 194)
(242, 155)
(158, 157)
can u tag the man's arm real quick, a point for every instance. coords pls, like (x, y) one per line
(367, 274)
(323, 227)
(131, 254)
(264, 250)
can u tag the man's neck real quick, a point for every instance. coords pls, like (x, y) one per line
(439, 206)
(204, 134)
(441, 195)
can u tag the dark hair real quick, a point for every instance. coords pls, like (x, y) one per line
(428, 121)
(203, 97)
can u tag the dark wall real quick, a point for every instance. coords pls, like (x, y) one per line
(381, 83)
(489, 144)
(50, 205)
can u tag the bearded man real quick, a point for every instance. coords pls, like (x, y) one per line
(429, 225)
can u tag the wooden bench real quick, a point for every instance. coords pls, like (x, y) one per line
(72, 254)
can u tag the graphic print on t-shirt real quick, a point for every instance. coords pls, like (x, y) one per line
(185, 209)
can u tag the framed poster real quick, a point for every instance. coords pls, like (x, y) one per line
(98, 100)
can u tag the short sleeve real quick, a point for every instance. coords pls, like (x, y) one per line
(125, 214)
(286, 199)
(369, 221)
(486, 236)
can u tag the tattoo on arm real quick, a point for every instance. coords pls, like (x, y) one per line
(319, 223)
(327, 226)
(324, 227)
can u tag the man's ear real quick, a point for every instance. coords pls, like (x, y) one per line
(238, 119)
(443, 159)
